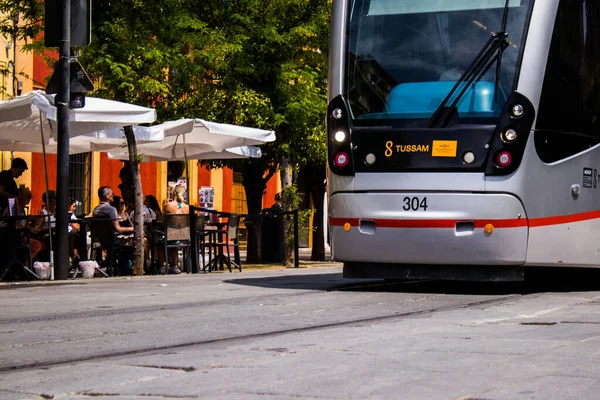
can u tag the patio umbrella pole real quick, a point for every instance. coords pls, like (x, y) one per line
(187, 173)
(46, 182)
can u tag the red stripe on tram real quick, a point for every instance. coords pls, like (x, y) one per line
(430, 223)
(564, 219)
(481, 223)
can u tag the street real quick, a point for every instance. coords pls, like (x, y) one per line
(299, 333)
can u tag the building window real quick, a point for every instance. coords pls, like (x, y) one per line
(80, 166)
(239, 205)
(3, 67)
(238, 195)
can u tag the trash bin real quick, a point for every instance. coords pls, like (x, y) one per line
(271, 236)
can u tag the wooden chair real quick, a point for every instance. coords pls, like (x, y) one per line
(178, 236)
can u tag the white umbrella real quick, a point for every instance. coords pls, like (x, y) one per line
(198, 137)
(226, 154)
(27, 117)
(96, 141)
(31, 119)
(187, 137)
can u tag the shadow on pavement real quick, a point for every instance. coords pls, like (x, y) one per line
(537, 280)
(295, 282)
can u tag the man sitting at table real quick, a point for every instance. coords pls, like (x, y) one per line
(8, 185)
(105, 210)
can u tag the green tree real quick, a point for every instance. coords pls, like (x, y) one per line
(19, 21)
(278, 62)
(251, 62)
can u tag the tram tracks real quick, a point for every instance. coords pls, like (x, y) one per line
(143, 350)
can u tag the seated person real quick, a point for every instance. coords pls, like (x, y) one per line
(43, 226)
(23, 200)
(75, 247)
(105, 210)
(49, 200)
(149, 214)
(152, 204)
(178, 204)
(119, 205)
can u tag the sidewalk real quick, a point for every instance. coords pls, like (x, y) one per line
(304, 253)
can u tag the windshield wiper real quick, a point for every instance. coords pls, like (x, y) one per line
(487, 56)
(500, 51)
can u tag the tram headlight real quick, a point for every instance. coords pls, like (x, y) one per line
(508, 136)
(370, 159)
(503, 159)
(339, 136)
(337, 113)
(517, 110)
(341, 160)
(468, 157)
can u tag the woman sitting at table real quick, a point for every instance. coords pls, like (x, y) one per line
(123, 217)
(177, 205)
(152, 204)
(47, 224)
(49, 210)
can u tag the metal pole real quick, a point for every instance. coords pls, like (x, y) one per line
(52, 272)
(296, 241)
(61, 256)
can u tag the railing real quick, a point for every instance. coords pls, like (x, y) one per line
(194, 211)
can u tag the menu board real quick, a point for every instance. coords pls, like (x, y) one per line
(206, 197)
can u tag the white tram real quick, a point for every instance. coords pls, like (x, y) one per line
(463, 137)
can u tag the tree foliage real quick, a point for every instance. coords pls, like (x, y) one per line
(19, 22)
(258, 63)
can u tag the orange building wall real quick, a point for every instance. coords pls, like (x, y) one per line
(227, 188)
(109, 173)
(271, 191)
(41, 71)
(38, 182)
(148, 177)
(203, 176)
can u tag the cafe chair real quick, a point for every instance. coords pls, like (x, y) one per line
(225, 239)
(177, 235)
(154, 232)
(103, 238)
(203, 239)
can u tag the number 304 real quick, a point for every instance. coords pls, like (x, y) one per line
(414, 204)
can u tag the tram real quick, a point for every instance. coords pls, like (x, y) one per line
(463, 137)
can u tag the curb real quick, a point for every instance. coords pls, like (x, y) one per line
(81, 281)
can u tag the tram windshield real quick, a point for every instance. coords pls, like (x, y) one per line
(404, 57)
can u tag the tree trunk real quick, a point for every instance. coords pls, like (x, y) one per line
(138, 220)
(254, 185)
(286, 181)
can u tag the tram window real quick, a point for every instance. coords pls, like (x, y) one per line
(568, 119)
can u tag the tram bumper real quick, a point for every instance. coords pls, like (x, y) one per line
(428, 228)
